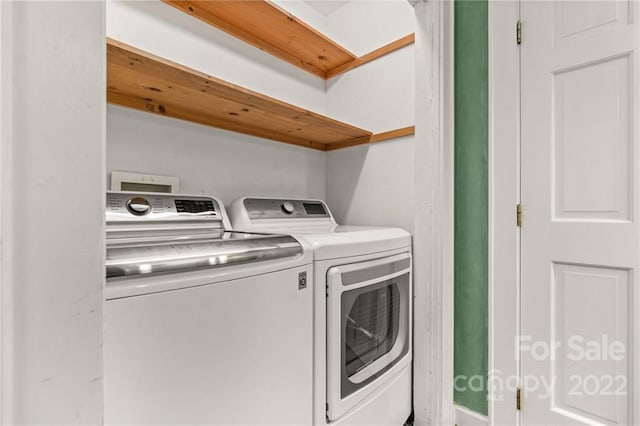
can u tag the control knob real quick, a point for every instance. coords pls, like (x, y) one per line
(138, 206)
(288, 207)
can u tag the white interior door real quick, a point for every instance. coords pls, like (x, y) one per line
(580, 236)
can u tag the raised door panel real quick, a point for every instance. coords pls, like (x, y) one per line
(591, 131)
(591, 318)
(574, 20)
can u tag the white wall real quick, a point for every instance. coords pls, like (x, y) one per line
(53, 212)
(364, 25)
(211, 161)
(374, 184)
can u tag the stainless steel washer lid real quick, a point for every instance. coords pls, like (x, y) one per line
(164, 233)
(232, 248)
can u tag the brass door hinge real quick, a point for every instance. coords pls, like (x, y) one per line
(519, 215)
(518, 392)
(519, 32)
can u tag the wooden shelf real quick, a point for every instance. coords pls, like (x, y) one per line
(378, 137)
(274, 30)
(270, 28)
(140, 80)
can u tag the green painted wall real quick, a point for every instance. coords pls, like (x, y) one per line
(471, 202)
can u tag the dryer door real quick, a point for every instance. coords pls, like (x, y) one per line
(368, 328)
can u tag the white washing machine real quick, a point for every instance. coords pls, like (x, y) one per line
(203, 326)
(362, 309)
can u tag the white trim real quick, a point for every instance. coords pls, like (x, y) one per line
(6, 195)
(466, 417)
(504, 187)
(433, 237)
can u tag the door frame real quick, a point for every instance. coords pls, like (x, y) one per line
(504, 195)
(433, 234)
(6, 194)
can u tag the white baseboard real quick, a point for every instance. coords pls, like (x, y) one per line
(466, 417)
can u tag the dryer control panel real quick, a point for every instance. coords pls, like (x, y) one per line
(273, 208)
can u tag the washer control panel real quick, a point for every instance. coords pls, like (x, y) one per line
(261, 208)
(135, 206)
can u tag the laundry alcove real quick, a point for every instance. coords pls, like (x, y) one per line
(371, 102)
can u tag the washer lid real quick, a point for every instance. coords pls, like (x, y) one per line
(129, 257)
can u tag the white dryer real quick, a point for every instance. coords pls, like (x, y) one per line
(362, 309)
(203, 325)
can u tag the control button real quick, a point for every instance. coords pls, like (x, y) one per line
(138, 206)
(288, 207)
